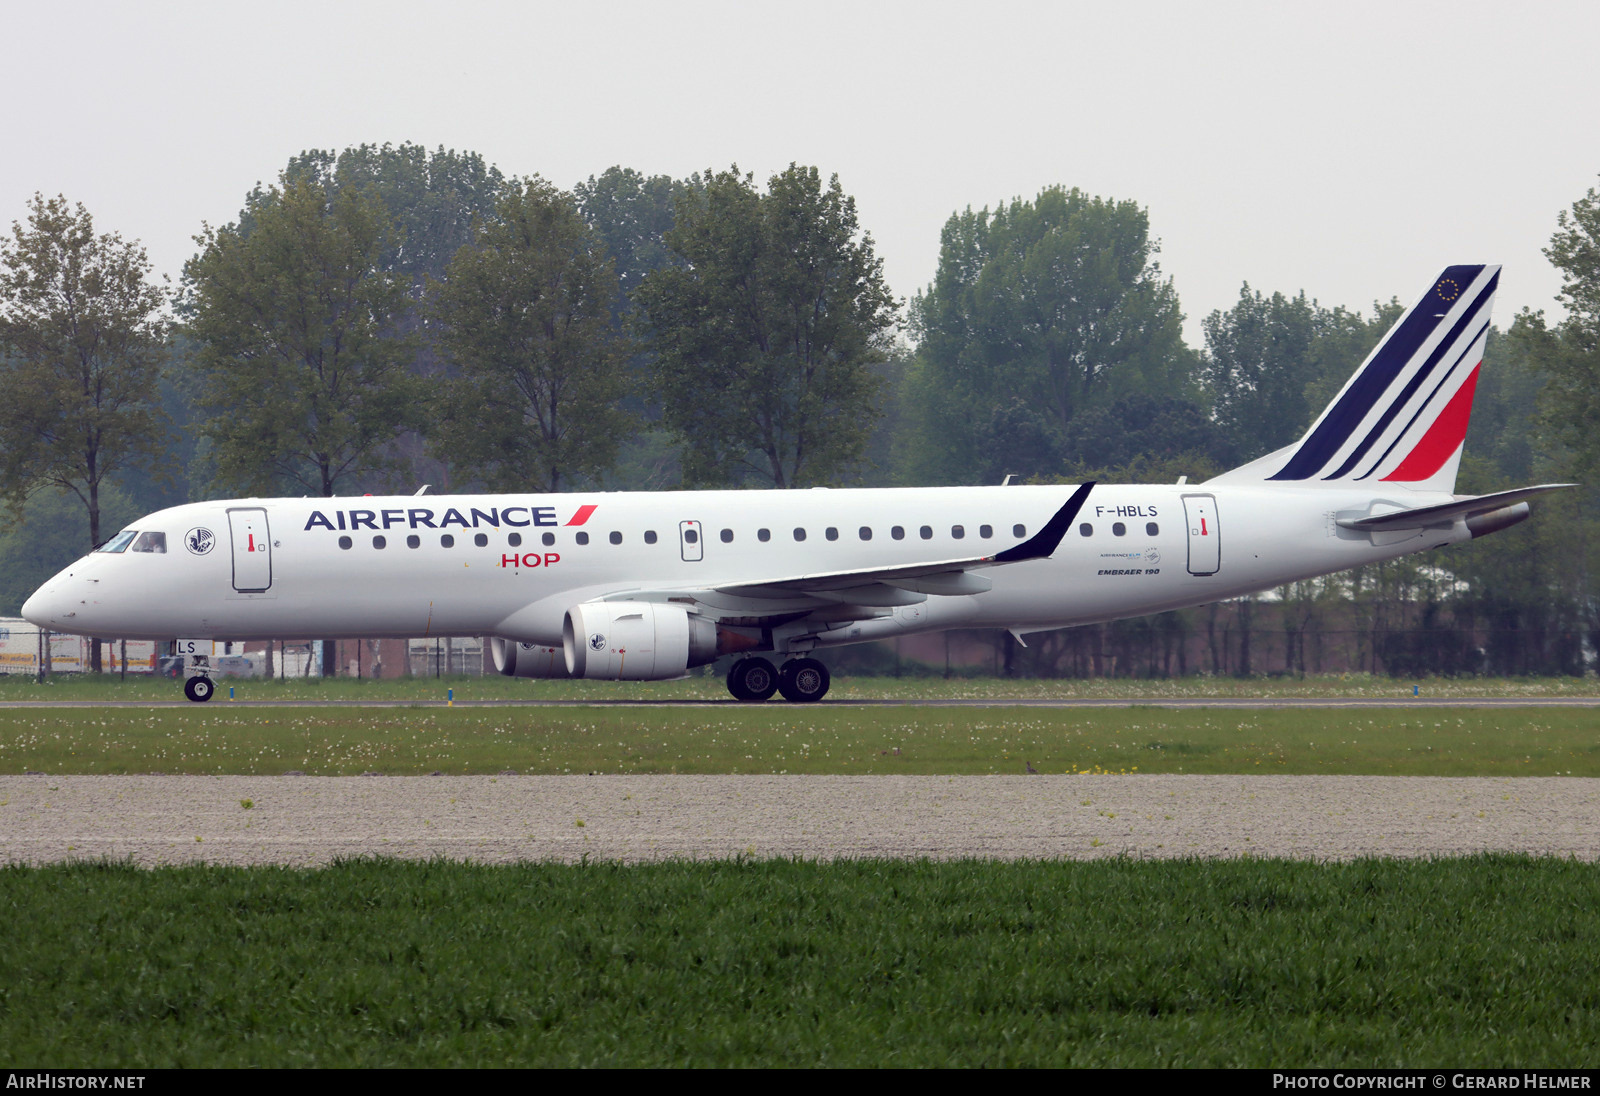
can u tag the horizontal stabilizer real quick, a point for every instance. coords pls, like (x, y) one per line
(1446, 512)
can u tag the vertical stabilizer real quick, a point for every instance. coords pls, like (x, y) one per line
(1402, 417)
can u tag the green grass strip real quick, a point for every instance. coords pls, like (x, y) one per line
(238, 739)
(1487, 961)
(703, 686)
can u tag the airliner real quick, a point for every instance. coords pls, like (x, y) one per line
(646, 586)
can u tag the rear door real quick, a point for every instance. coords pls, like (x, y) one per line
(252, 550)
(1205, 538)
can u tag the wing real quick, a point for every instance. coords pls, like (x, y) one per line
(868, 588)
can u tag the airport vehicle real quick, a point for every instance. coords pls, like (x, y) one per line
(638, 586)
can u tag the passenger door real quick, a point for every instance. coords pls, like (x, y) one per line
(252, 551)
(1205, 538)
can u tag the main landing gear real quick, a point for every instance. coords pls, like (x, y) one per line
(801, 680)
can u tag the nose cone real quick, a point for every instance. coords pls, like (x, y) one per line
(47, 608)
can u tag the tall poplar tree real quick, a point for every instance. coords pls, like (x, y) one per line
(82, 342)
(298, 358)
(1039, 311)
(525, 316)
(1569, 352)
(767, 330)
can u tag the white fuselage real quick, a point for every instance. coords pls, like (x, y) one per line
(513, 565)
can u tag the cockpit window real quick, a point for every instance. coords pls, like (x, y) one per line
(120, 542)
(151, 542)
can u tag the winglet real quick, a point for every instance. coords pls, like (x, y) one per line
(1043, 543)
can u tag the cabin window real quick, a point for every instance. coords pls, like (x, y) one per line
(447, 541)
(1151, 529)
(481, 540)
(1085, 530)
(345, 542)
(958, 532)
(649, 537)
(380, 541)
(831, 533)
(1019, 530)
(549, 539)
(986, 531)
(763, 535)
(413, 541)
(926, 532)
(690, 536)
(898, 532)
(120, 542)
(582, 538)
(514, 539)
(151, 542)
(1118, 529)
(616, 538)
(866, 533)
(727, 536)
(799, 534)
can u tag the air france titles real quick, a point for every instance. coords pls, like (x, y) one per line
(455, 517)
(421, 517)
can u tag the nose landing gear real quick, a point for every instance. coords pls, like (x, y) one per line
(199, 687)
(801, 680)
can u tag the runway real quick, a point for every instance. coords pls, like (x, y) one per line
(299, 820)
(1178, 704)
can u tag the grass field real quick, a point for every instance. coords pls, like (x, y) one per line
(1484, 961)
(702, 686)
(1475, 962)
(239, 739)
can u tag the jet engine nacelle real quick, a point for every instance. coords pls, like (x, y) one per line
(635, 640)
(516, 659)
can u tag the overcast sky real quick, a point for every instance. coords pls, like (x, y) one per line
(1350, 149)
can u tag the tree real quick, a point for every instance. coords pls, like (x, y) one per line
(632, 214)
(1273, 363)
(525, 315)
(432, 199)
(767, 332)
(1048, 308)
(1569, 353)
(1258, 367)
(82, 340)
(1146, 427)
(297, 355)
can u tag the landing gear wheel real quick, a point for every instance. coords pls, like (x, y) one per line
(199, 689)
(752, 679)
(803, 680)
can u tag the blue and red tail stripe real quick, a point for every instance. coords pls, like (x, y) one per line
(1443, 438)
(1384, 368)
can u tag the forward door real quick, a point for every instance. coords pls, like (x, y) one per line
(252, 550)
